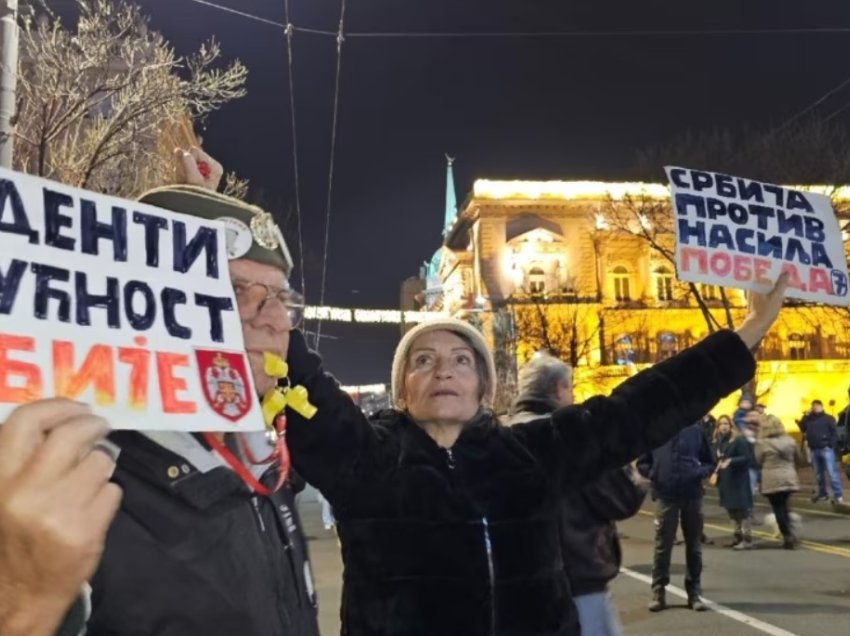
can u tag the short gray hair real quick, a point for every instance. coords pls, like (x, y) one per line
(541, 376)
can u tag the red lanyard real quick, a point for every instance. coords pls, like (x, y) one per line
(279, 455)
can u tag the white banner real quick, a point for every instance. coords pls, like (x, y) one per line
(121, 305)
(741, 233)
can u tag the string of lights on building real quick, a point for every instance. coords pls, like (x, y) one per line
(370, 316)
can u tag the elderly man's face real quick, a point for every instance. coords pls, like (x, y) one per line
(268, 328)
(441, 381)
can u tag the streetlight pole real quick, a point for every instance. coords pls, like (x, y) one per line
(8, 77)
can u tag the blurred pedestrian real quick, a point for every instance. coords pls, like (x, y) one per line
(777, 456)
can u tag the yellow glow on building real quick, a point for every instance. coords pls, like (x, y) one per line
(597, 190)
(556, 275)
(566, 190)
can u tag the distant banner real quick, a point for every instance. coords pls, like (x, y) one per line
(737, 232)
(120, 305)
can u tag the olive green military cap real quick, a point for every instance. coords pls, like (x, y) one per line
(250, 231)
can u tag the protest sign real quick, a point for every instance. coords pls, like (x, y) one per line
(121, 305)
(741, 233)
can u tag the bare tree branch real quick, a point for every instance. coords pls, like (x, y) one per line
(103, 105)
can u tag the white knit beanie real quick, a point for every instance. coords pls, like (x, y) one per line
(444, 324)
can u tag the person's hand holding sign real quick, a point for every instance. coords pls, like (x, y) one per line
(763, 311)
(56, 504)
(195, 167)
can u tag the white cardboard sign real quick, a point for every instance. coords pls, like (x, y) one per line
(121, 305)
(742, 233)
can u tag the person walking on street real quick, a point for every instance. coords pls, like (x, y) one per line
(676, 471)
(734, 459)
(821, 436)
(777, 456)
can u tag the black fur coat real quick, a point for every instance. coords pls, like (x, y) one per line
(464, 542)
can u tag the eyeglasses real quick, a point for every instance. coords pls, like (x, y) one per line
(253, 294)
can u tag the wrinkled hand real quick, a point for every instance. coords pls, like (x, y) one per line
(763, 311)
(56, 504)
(195, 167)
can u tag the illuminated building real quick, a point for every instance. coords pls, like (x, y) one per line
(539, 265)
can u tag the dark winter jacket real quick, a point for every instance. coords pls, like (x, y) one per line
(819, 429)
(464, 541)
(192, 551)
(678, 468)
(733, 482)
(842, 426)
(589, 541)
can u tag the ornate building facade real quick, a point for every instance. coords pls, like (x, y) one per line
(576, 268)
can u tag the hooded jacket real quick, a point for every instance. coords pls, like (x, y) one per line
(464, 541)
(589, 540)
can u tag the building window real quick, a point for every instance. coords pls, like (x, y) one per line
(710, 292)
(663, 284)
(536, 281)
(797, 347)
(621, 284)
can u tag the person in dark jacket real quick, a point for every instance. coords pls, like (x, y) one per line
(207, 539)
(676, 471)
(198, 547)
(821, 436)
(448, 521)
(589, 541)
(734, 455)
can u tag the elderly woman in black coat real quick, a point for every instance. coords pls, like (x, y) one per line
(448, 520)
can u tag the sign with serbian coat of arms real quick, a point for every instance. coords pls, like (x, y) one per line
(225, 382)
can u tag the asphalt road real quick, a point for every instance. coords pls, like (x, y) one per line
(763, 591)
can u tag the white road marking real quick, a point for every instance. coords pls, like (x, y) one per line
(765, 628)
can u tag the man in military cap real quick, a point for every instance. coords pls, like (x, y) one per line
(207, 539)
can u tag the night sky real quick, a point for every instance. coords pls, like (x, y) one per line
(578, 107)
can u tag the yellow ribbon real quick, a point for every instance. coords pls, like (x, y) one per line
(277, 399)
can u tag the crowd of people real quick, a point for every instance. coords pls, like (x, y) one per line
(747, 454)
(450, 521)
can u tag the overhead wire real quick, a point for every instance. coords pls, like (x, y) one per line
(820, 100)
(339, 41)
(297, 180)
(584, 34)
(836, 112)
(539, 34)
(244, 14)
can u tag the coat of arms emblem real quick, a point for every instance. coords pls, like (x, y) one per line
(224, 378)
